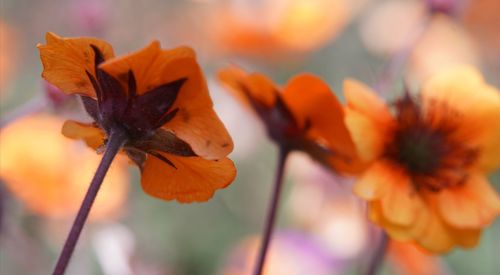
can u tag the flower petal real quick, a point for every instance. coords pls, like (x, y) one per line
(377, 179)
(311, 101)
(396, 231)
(149, 65)
(192, 179)
(368, 120)
(363, 99)
(402, 202)
(195, 121)
(385, 182)
(435, 238)
(440, 238)
(428, 230)
(65, 61)
(477, 104)
(259, 87)
(92, 135)
(473, 205)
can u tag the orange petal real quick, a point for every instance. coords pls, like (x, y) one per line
(259, 87)
(193, 179)
(401, 203)
(363, 99)
(65, 61)
(389, 184)
(399, 232)
(151, 66)
(310, 99)
(377, 179)
(428, 231)
(368, 120)
(473, 205)
(464, 91)
(438, 236)
(93, 136)
(467, 238)
(195, 122)
(202, 129)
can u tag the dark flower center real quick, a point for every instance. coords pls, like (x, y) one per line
(283, 128)
(431, 154)
(280, 122)
(419, 149)
(117, 107)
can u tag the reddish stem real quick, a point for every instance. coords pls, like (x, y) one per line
(273, 209)
(115, 142)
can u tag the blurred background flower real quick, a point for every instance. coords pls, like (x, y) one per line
(268, 29)
(49, 173)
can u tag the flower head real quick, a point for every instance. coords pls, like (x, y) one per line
(159, 100)
(304, 115)
(429, 158)
(36, 166)
(274, 29)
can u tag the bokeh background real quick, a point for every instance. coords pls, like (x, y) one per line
(322, 227)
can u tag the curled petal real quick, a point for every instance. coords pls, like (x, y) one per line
(66, 62)
(249, 87)
(464, 93)
(439, 238)
(313, 103)
(472, 205)
(185, 179)
(368, 120)
(92, 135)
(196, 122)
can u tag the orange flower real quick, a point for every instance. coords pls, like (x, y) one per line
(159, 99)
(273, 28)
(46, 181)
(304, 116)
(426, 181)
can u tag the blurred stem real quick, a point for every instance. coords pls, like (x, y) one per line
(273, 208)
(378, 256)
(115, 142)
